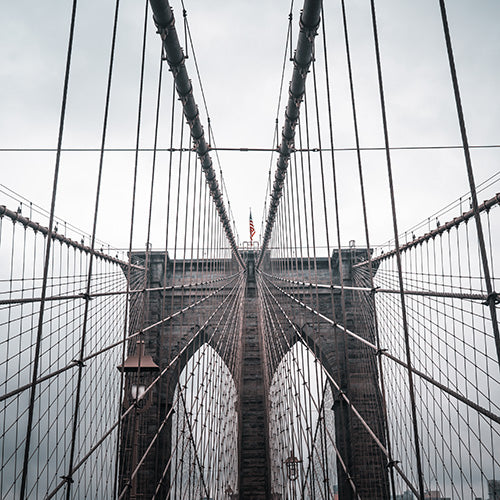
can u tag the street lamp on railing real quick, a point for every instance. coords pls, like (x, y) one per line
(230, 493)
(140, 369)
(292, 467)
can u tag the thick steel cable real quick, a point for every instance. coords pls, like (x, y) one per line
(384, 352)
(48, 253)
(165, 22)
(91, 258)
(26, 222)
(443, 228)
(417, 441)
(35, 209)
(309, 23)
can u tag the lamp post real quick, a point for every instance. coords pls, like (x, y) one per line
(139, 368)
(230, 493)
(292, 467)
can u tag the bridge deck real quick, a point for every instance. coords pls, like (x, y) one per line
(254, 477)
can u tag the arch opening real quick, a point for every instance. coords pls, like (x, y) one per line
(302, 428)
(204, 428)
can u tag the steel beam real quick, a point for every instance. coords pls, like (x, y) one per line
(165, 22)
(309, 22)
(484, 207)
(26, 222)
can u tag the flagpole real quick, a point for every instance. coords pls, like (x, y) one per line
(252, 228)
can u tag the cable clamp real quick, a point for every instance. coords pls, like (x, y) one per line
(309, 31)
(297, 99)
(78, 362)
(337, 397)
(86, 296)
(374, 290)
(163, 31)
(196, 143)
(192, 119)
(380, 351)
(67, 479)
(303, 69)
(492, 299)
(391, 463)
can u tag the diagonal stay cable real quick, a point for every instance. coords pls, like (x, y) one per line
(383, 352)
(267, 306)
(342, 394)
(141, 396)
(377, 289)
(233, 294)
(36, 362)
(26, 300)
(75, 363)
(489, 283)
(208, 341)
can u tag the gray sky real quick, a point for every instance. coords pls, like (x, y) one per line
(240, 47)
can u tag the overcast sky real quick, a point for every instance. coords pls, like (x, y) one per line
(240, 47)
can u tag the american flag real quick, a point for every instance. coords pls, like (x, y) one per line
(252, 229)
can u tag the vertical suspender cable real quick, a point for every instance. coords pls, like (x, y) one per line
(69, 481)
(492, 295)
(398, 257)
(165, 22)
(309, 23)
(47, 256)
(132, 484)
(367, 233)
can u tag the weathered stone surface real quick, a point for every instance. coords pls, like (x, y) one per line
(254, 467)
(164, 343)
(347, 360)
(343, 357)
